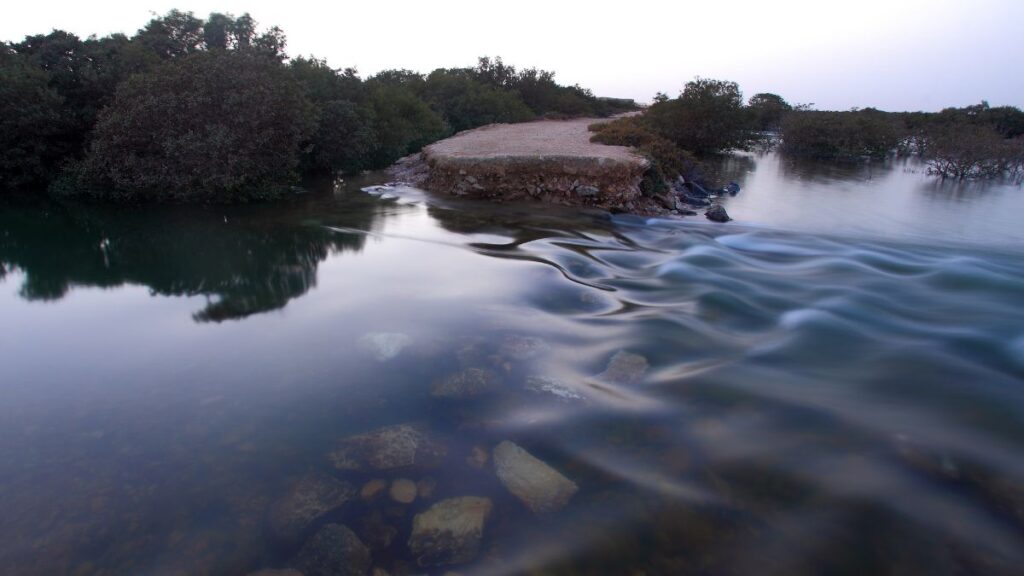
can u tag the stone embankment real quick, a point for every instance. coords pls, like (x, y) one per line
(550, 160)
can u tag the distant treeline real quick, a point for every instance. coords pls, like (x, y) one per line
(709, 116)
(215, 110)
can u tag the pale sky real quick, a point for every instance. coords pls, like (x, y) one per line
(890, 54)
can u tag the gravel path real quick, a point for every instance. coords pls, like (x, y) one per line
(545, 138)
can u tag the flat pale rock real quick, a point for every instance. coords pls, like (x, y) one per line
(449, 532)
(389, 448)
(553, 387)
(311, 497)
(539, 486)
(334, 551)
(625, 368)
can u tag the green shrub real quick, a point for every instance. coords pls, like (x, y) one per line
(767, 111)
(467, 103)
(964, 150)
(668, 161)
(30, 119)
(707, 117)
(840, 135)
(403, 124)
(211, 126)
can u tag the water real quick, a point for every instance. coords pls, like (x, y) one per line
(835, 381)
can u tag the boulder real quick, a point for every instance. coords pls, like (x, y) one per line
(307, 500)
(625, 368)
(389, 448)
(539, 486)
(467, 383)
(334, 551)
(449, 532)
(717, 213)
(695, 201)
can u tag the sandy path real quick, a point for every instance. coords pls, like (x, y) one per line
(545, 138)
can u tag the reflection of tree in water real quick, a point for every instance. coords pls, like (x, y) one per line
(718, 171)
(246, 260)
(801, 168)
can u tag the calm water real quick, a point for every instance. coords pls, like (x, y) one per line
(835, 381)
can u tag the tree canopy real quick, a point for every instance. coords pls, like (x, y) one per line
(214, 109)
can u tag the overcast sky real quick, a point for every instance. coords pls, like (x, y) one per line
(891, 54)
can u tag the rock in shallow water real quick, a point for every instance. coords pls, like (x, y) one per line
(625, 368)
(384, 346)
(717, 213)
(403, 491)
(552, 386)
(308, 499)
(389, 448)
(468, 383)
(449, 532)
(334, 551)
(539, 486)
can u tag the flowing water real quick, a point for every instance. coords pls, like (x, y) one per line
(831, 384)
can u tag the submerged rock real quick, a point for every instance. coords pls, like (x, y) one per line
(334, 551)
(553, 387)
(523, 347)
(388, 448)
(449, 532)
(717, 213)
(384, 346)
(372, 489)
(403, 491)
(468, 383)
(625, 368)
(375, 531)
(539, 486)
(308, 499)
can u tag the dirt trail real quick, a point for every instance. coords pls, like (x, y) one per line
(549, 161)
(545, 138)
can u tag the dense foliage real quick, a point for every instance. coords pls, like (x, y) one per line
(217, 125)
(976, 141)
(840, 135)
(708, 116)
(968, 150)
(668, 161)
(767, 111)
(214, 110)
